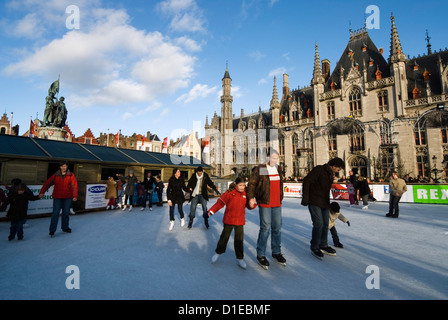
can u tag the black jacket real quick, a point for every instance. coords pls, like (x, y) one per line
(317, 186)
(148, 183)
(19, 205)
(175, 189)
(206, 181)
(363, 187)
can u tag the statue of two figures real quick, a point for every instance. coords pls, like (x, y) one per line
(55, 114)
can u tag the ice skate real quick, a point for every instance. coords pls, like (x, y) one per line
(278, 257)
(317, 253)
(215, 257)
(130, 208)
(328, 251)
(263, 262)
(182, 222)
(171, 225)
(241, 263)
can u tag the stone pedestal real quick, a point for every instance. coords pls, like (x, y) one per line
(52, 133)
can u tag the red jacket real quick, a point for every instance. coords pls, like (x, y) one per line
(236, 204)
(64, 186)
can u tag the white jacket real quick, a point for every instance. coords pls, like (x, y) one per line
(334, 216)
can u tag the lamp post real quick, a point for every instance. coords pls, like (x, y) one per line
(434, 169)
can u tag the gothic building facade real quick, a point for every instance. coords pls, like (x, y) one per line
(376, 113)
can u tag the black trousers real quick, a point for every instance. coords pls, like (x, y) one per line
(237, 243)
(393, 205)
(334, 235)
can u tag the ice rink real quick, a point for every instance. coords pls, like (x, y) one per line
(132, 255)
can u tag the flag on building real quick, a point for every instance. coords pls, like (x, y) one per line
(32, 131)
(117, 139)
(207, 145)
(165, 145)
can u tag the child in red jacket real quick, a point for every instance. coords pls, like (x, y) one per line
(236, 203)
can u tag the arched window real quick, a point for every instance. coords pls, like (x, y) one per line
(355, 102)
(281, 145)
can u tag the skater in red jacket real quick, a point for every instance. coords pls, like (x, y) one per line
(236, 203)
(64, 193)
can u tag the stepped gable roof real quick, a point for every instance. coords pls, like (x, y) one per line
(416, 67)
(362, 50)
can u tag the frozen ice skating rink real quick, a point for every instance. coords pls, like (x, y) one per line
(122, 255)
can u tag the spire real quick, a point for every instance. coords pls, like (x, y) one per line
(428, 42)
(317, 73)
(274, 101)
(396, 51)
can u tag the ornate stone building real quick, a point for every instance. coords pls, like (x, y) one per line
(376, 113)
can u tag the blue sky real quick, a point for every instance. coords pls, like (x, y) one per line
(145, 65)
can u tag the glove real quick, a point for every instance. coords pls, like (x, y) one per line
(304, 202)
(348, 223)
(218, 193)
(210, 213)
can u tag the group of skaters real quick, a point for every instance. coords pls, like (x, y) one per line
(263, 190)
(125, 187)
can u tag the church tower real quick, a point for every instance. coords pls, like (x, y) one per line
(275, 105)
(226, 101)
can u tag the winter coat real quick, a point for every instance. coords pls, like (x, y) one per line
(317, 185)
(160, 186)
(18, 205)
(111, 189)
(175, 189)
(206, 181)
(65, 186)
(149, 183)
(363, 187)
(236, 204)
(259, 186)
(334, 216)
(130, 185)
(397, 186)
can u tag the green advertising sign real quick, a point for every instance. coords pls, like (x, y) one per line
(431, 194)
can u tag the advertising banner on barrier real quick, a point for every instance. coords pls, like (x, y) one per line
(430, 194)
(95, 196)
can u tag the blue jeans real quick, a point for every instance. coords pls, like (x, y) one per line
(59, 204)
(148, 194)
(194, 203)
(16, 228)
(319, 234)
(270, 220)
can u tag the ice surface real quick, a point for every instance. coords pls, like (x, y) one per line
(132, 255)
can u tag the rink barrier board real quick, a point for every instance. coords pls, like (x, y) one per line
(94, 195)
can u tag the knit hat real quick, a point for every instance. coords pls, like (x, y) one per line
(335, 207)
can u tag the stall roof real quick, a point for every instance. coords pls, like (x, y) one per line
(50, 149)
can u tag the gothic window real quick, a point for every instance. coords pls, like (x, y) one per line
(385, 133)
(252, 124)
(355, 102)
(444, 135)
(445, 163)
(332, 142)
(420, 135)
(281, 145)
(383, 103)
(330, 110)
(422, 167)
(357, 142)
(295, 144)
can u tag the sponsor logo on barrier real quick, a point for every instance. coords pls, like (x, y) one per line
(97, 189)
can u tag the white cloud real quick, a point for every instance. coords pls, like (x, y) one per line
(257, 55)
(109, 62)
(185, 15)
(273, 73)
(198, 91)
